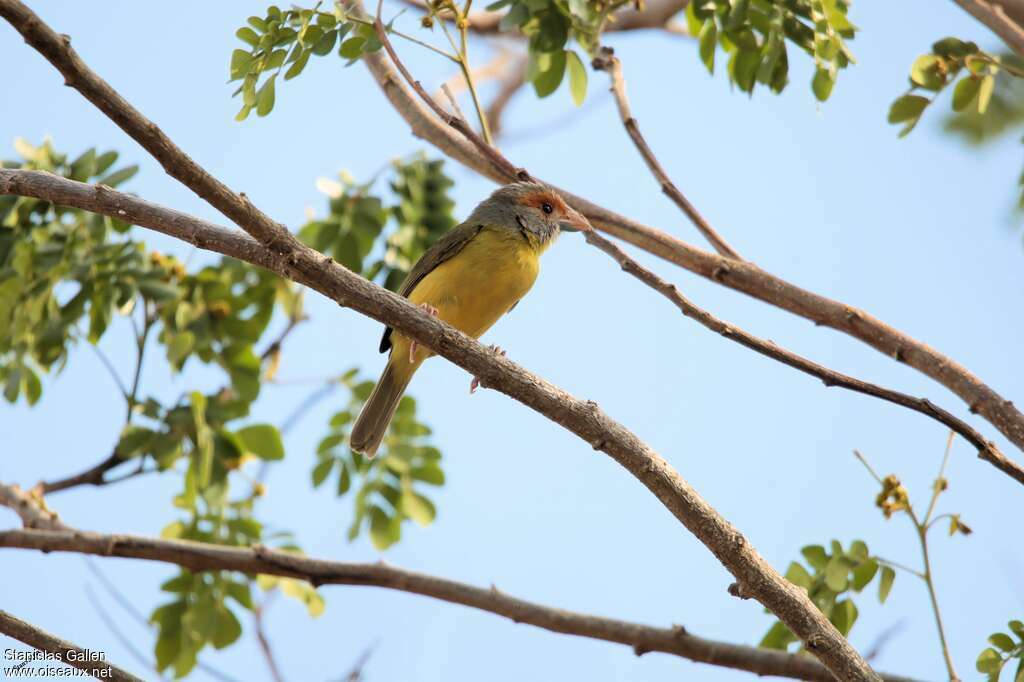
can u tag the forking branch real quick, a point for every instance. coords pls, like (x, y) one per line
(447, 133)
(290, 258)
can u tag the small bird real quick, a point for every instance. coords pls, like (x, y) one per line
(469, 278)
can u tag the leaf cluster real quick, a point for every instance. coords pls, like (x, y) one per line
(1003, 651)
(970, 70)
(64, 272)
(756, 34)
(830, 578)
(390, 486)
(418, 212)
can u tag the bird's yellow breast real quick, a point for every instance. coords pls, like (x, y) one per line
(479, 284)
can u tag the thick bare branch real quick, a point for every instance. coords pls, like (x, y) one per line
(608, 62)
(987, 450)
(197, 556)
(994, 15)
(744, 276)
(62, 650)
(102, 200)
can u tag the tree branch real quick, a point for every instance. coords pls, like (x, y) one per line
(743, 276)
(302, 264)
(196, 556)
(583, 418)
(607, 61)
(993, 15)
(65, 651)
(987, 450)
(30, 508)
(105, 201)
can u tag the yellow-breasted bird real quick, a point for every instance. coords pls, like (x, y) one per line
(469, 278)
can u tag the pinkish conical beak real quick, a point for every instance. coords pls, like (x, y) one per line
(574, 221)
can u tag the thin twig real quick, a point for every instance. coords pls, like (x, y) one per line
(986, 450)
(118, 635)
(929, 580)
(264, 642)
(608, 62)
(109, 366)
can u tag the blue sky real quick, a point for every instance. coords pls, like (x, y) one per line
(917, 231)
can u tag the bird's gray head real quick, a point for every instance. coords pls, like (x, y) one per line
(532, 208)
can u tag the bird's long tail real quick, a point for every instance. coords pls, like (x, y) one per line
(373, 421)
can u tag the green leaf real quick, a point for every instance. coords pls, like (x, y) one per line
(322, 470)
(822, 84)
(864, 574)
(548, 80)
(418, 508)
(344, 480)
(777, 637)
(227, 628)
(33, 388)
(908, 109)
(989, 661)
(1017, 628)
(352, 48)
(240, 63)
(247, 35)
(262, 440)
(815, 555)
(927, 72)
(836, 574)
(1002, 641)
(265, 97)
(988, 84)
(118, 177)
(158, 291)
(134, 440)
(384, 531)
(577, 77)
(798, 575)
(965, 92)
(843, 616)
(296, 68)
(885, 583)
(428, 474)
(241, 593)
(708, 35)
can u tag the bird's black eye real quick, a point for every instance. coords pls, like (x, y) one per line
(546, 207)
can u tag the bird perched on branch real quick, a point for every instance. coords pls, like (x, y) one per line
(469, 278)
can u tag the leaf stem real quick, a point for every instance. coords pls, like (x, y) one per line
(902, 567)
(922, 536)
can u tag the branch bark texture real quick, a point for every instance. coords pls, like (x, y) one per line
(642, 639)
(68, 653)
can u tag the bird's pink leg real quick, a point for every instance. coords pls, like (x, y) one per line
(475, 383)
(413, 345)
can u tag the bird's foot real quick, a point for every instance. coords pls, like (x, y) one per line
(413, 346)
(475, 383)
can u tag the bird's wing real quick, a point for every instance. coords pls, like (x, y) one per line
(440, 251)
